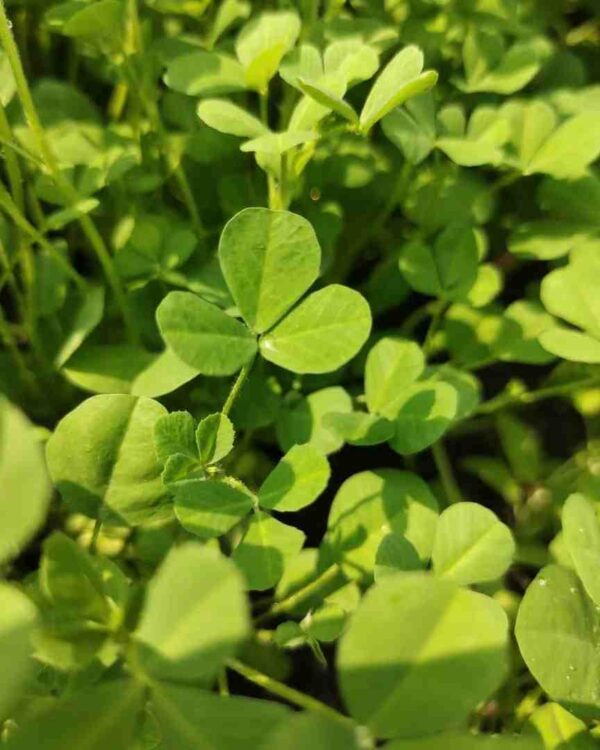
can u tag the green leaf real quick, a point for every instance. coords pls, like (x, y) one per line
(557, 632)
(205, 73)
(214, 438)
(560, 730)
(372, 504)
(194, 617)
(570, 344)
(107, 368)
(304, 61)
(264, 550)
(210, 508)
(263, 42)
(226, 117)
(8, 86)
(303, 421)
(569, 150)
(392, 365)
(70, 581)
(401, 79)
(395, 553)
(404, 658)
(269, 259)
(24, 482)
(275, 145)
(104, 19)
(421, 415)
(546, 239)
(174, 433)
(308, 731)
(463, 740)
(321, 334)
(101, 458)
(471, 545)
(523, 324)
(17, 620)
(297, 480)
(446, 269)
(328, 99)
(581, 532)
(105, 715)
(203, 336)
(350, 61)
(193, 719)
(163, 375)
(359, 428)
(570, 292)
(412, 128)
(81, 314)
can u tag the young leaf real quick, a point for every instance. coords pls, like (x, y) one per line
(214, 438)
(571, 148)
(174, 433)
(557, 632)
(401, 79)
(581, 532)
(392, 365)
(24, 481)
(205, 73)
(403, 658)
(194, 617)
(229, 118)
(103, 715)
(471, 545)
(102, 459)
(412, 128)
(560, 730)
(264, 549)
(328, 99)
(321, 334)
(297, 480)
(203, 336)
(165, 373)
(210, 508)
(263, 42)
(191, 719)
(269, 259)
(17, 620)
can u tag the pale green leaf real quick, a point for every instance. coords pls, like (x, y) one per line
(570, 149)
(321, 334)
(392, 365)
(359, 428)
(308, 731)
(581, 532)
(174, 433)
(194, 617)
(395, 553)
(328, 99)
(25, 492)
(102, 459)
(471, 545)
(163, 375)
(560, 730)
(107, 368)
(570, 344)
(226, 117)
(210, 508)
(17, 620)
(297, 480)
(403, 661)
(205, 73)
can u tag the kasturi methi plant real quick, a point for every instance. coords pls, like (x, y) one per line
(299, 374)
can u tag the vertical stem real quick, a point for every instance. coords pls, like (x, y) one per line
(12, 348)
(95, 535)
(13, 170)
(63, 184)
(237, 387)
(444, 467)
(436, 320)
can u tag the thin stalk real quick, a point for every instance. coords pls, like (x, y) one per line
(436, 320)
(13, 170)
(289, 694)
(446, 473)
(63, 184)
(93, 548)
(237, 387)
(11, 346)
(11, 209)
(293, 600)
(531, 397)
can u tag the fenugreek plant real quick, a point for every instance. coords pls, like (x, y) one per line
(300, 375)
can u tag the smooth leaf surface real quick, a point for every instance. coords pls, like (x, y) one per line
(210, 508)
(392, 365)
(297, 480)
(17, 620)
(581, 532)
(214, 438)
(269, 259)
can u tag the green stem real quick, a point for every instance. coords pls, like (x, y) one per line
(11, 210)
(11, 346)
(237, 387)
(95, 534)
(13, 169)
(63, 184)
(436, 320)
(289, 694)
(292, 601)
(531, 397)
(444, 467)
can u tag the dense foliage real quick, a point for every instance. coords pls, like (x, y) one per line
(300, 316)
